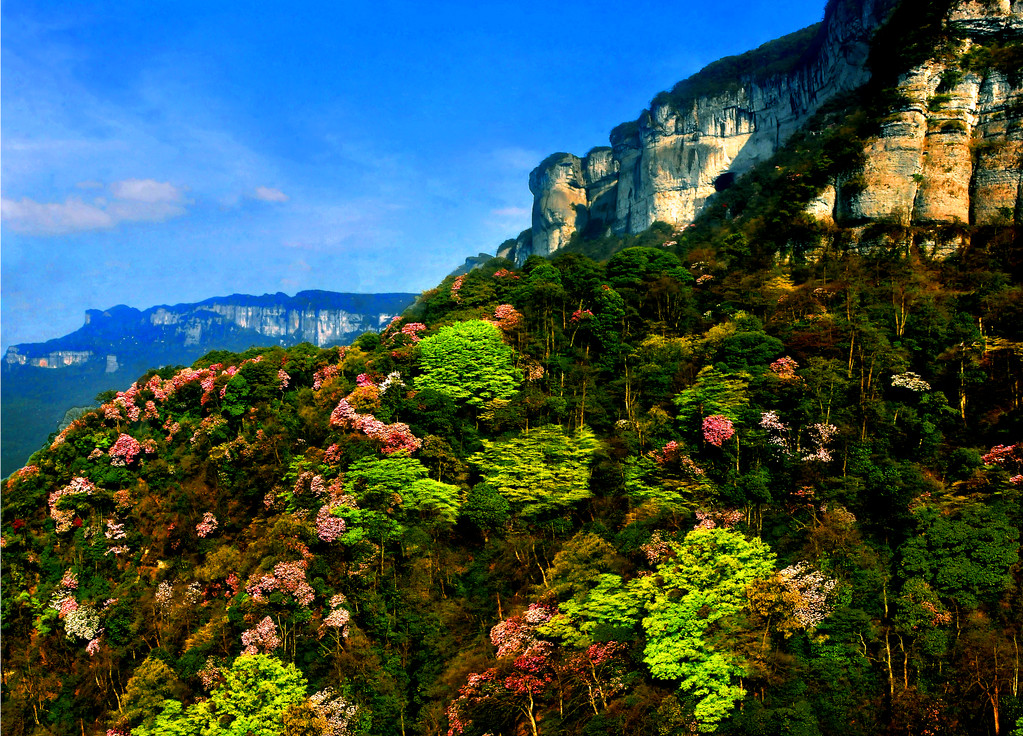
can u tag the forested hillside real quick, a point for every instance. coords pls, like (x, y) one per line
(693, 488)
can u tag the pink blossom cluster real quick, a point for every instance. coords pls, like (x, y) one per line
(717, 429)
(396, 437)
(26, 472)
(456, 287)
(283, 378)
(323, 375)
(332, 454)
(126, 448)
(504, 273)
(329, 528)
(939, 617)
(93, 646)
(209, 675)
(412, 331)
(704, 279)
(713, 519)
(507, 317)
(117, 551)
(673, 454)
(785, 368)
(517, 633)
(811, 589)
(338, 618)
(656, 549)
(337, 714)
(262, 638)
(287, 577)
(207, 526)
(63, 599)
(581, 314)
(363, 379)
(65, 517)
(1007, 456)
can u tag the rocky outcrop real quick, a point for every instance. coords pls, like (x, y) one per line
(235, 322)
(944, 157)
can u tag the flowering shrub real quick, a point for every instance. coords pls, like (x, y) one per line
(81, 623)
(262, 638)
(785, 368)
(339, 716)
(329, 528)
(507, 317)
(396, 437)
(717, 429)
(711, 520)
(65, 517)
(114, 530)
(338, 618)
(911, 381)
(820, 436)
(126, 449)
(504, 273)
(581, 315)
(810, 589)
(657, 549)
(283, 378)
(412, 331)
(456, 287)
(164, 594)
(207, 526)
(776, 431)
(287, 577)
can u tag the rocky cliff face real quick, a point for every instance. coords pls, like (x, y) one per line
(322, 318)
(942, 158)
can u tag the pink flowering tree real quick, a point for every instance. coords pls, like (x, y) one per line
(717, 429)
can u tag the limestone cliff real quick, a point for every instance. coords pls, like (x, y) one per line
(949, 153)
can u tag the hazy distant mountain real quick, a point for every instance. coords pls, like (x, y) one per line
(42, 381)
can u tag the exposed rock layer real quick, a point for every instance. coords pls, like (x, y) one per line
(948, 158)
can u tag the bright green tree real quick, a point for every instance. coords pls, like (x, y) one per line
(706, 582)
(468, 362)
(540, 470)
(256, 692)
(378, 482)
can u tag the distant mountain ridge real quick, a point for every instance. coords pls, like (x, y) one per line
(41, 381)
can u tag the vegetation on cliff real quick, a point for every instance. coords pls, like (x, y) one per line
(676, 493)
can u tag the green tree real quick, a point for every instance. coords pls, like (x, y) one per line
(540, 470)
(255, 694)
(689, 595)
(149, 687)
(468, 362)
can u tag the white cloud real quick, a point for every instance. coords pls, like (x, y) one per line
(53, 218)
(149, 191)
(136, 200)
(269, 194)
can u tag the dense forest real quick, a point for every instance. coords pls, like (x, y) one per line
(656, 495)
(755, 476)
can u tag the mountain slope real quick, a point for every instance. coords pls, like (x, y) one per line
(41, 381)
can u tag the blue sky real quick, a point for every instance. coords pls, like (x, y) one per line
(163, 152)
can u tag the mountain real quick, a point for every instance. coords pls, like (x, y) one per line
(42, 381)
(760, 475)
(946, 153)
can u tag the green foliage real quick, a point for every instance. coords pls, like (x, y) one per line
(706, 582)
(256, 692)
(540, 471)
(468, 362)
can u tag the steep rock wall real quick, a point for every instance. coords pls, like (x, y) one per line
(948, 158)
